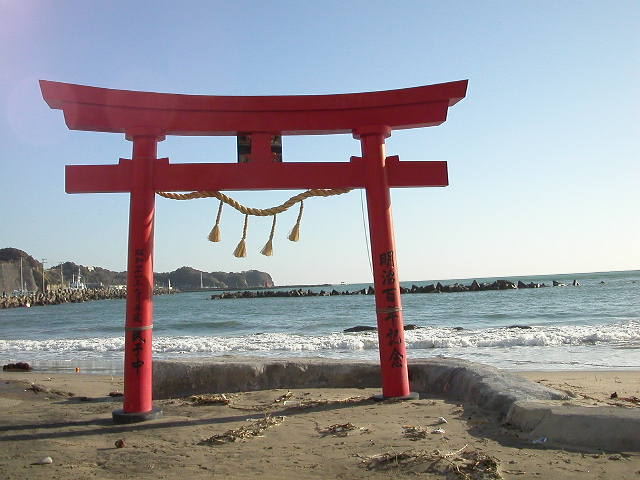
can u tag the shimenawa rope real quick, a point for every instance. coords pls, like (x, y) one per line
(241, 249)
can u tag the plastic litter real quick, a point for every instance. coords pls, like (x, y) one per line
(438, 430)
(539, 441)
(44, 461)
(441, 420)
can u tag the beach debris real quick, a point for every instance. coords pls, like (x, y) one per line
(415, 433)
(254, 429)
(119, 443)
(614, 395)
(307, 404)
(633, 399)
(35, 388)
(303, 404)
(330, 403)
(283, 398)
(116, 394)
(210, 399)
(540, 441)
(439, 430)
(390, 459)
(77, 369)
(17, 367)
(441, 420)
(337, 430)
(461, 464)
(43, 461)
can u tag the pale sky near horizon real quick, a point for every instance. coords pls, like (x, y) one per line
(542, 153)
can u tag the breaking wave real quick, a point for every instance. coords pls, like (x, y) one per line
(622, 334)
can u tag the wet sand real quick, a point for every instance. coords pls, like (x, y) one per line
(306, 433)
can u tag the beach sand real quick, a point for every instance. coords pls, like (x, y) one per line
(310, 433)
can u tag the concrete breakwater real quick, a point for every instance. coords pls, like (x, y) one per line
(431, 288)
(56, 297)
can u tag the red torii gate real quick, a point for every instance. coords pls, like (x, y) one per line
(146, 118)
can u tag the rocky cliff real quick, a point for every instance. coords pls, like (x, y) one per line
(10, 259)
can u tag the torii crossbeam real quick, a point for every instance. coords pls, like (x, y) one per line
(146, 118)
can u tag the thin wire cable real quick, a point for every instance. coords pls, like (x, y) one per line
(364, 229)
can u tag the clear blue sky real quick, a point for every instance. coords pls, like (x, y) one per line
(543, 152)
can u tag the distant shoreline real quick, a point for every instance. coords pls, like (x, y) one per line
(221, 289)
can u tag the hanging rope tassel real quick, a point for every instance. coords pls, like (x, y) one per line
(294, 236)
(214, 234)
(241, 249)
(267, 250)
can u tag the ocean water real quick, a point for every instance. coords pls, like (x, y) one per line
(593, 326)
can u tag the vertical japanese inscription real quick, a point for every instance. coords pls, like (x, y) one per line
(138, 341)
(392, 335)
(138, 346)
(396, 358)
(138, 281)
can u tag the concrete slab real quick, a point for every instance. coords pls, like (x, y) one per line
(529, 406)
(603, 428)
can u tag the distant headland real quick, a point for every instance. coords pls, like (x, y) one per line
(20, 272)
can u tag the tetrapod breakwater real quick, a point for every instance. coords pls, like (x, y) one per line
(66, 295)
(474, 286)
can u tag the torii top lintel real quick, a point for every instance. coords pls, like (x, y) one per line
(145, 114)
(120, 111)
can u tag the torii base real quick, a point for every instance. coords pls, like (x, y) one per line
(120, 417)
(411, 396)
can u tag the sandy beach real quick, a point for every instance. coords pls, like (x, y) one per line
(308, 433)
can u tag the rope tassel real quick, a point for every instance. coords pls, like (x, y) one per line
(241, 249)
(294, 236)
(214, 235)
(267, 250)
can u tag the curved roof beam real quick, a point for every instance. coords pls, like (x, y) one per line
(120, 111)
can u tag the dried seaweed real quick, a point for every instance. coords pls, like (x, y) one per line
(471, 465)
(35, 388)
(478, 465)
(385, 460)
(283, 402)
(309, 404)
(210, 399)
(283, 398)
(254, 429)
(415, 433)
(337, 430)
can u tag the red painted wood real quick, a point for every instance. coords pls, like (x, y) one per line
(108, 110)
(416, 174)
(139, 320)
(252, 176)
(99, 178)
(392, 348)
(147, 117)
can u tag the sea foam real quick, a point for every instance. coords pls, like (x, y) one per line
(627, 333)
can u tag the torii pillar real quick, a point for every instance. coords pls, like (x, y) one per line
(145, 118)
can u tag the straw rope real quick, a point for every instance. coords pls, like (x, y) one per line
(258, 212)
(241, 249)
